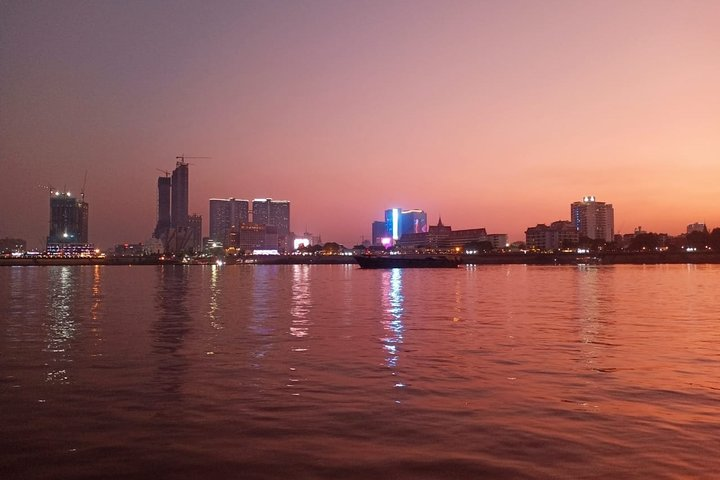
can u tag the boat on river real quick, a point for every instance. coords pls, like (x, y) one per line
(407, 261)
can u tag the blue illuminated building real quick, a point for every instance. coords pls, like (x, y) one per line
(397, 223)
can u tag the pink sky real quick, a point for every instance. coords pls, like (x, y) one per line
(491, 114)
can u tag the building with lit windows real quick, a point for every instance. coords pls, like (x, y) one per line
(592, 219)
(226, 213)
(560, 234)
(267, 211)
(442, 236)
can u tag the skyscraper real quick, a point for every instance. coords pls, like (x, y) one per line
(68, 219)
(226, 214)
(592, 219)
(180, 195)
(267, 211)
(163, 214)
(175, 228)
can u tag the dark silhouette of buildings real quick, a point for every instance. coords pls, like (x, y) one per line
(180, 195)
(163, 222)
(178, 231)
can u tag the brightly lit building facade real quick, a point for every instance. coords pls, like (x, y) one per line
(592, 219)
(397, 223)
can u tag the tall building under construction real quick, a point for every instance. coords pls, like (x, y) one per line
(69, 218)
(178, 231)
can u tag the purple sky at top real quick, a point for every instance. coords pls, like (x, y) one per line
(492, 114)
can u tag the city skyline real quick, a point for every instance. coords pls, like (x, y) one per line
(489, 114)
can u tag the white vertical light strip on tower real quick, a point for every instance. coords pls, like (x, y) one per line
(395, 217)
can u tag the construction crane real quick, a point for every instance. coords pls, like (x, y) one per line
(181, 159)
(82, 190)
(48, 187)
(167, 174)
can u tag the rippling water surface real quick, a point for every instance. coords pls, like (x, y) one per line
(333, 372)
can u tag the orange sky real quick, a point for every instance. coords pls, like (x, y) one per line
(491, 114)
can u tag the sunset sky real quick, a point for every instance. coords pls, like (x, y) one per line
(494, 114)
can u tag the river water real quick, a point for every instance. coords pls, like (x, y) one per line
(332, 372)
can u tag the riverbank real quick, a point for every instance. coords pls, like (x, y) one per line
(514, 258)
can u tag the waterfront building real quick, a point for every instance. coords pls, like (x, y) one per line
(444, 237)
(254, 236)
(274, 213)
(379, 232)
(498, 240)
(398, 222)
(267, 211)
(226, 213)
(593, 219)
(541, 237)
(558, 235)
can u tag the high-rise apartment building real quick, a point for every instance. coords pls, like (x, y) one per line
(226, 213)
(593, 219)
(267, 211)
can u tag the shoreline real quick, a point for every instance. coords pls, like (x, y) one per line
(611, 258)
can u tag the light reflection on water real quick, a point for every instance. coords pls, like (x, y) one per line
(392, 321)
(282, 371)
(61, 326)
